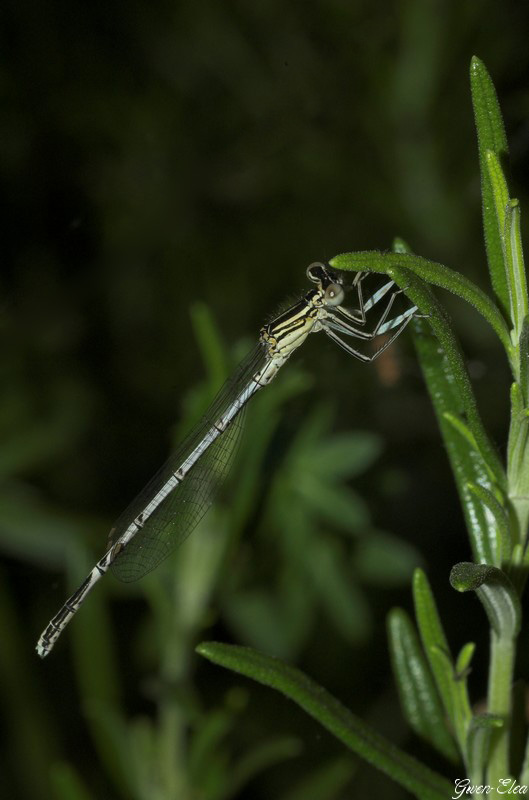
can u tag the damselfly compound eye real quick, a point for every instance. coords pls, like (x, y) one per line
(334, 295)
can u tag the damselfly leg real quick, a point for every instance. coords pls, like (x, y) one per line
(335, 320)
(359, 317)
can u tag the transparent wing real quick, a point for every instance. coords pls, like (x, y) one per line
(181, 510)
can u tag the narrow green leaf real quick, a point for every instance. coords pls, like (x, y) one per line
(514, 264)
(440, 324)
(457, 423)
(517, 460)
(466, 467)
(500, 190)
(431, 631)
(400, 245)
(496, 593)
(422, 782)
(491, 129)
(464, 658)
(499, 514)
(451, 392)
(524, 360)
(518, 570)
(515, 446)
(460, 426)
(517, 557)
(480, 731)
(455, 407)
(444, 659)
(452, 688)
(418, 693)
(491, 137)
(434, 273)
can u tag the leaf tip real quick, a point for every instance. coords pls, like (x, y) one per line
(208, 650)
(399, 245)
(475, 64)
(419, 579)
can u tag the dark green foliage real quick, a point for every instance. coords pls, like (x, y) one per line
(161, 160)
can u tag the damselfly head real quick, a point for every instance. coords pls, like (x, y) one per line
(333, 293)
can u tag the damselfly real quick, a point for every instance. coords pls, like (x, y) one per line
(174, 501)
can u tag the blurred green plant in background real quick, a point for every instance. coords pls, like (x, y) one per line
(155, 158)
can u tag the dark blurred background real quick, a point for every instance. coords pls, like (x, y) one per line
(168, 171)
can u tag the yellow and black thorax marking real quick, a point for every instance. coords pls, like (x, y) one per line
(287, 331)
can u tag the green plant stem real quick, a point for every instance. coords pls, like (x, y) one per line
(517, 470)
(518, 477)
(502, 652)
